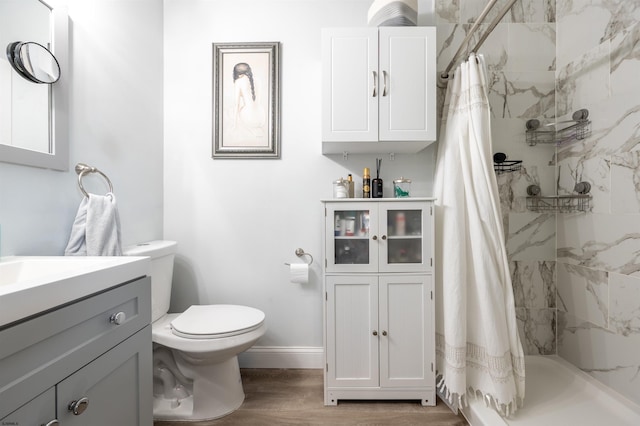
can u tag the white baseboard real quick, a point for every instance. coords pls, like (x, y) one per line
(282, 357)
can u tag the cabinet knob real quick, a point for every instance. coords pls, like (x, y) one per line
(384, 237)
(118, 318)
(375, 237)
(53, 422)
(78, 407)
(384, 333)
(375, 332)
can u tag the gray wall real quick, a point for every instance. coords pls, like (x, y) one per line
(115, 110)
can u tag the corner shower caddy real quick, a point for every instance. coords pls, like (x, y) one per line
(559, 203)
(502, 165)
(563, 131)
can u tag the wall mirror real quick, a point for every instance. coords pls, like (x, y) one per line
(33, 117)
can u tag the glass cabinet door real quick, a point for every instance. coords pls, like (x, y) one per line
(349, 241)
(407, 238)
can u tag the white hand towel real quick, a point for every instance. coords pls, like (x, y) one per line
(96, 229)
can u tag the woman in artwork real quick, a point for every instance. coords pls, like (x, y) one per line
(249, 117)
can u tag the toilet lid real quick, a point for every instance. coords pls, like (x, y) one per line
(216, 321)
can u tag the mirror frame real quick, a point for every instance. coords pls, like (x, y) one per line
(58, 157)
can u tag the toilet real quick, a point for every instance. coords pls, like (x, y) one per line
(196, 375)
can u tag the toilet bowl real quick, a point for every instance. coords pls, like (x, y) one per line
(196, 375)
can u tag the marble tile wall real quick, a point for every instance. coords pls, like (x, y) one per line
(598, 253)
(521, 65)
(576, 276)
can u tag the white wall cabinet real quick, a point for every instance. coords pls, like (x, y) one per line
(379, 315)
(379, 89)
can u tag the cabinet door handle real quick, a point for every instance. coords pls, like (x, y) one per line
(384, 88)
(384, 333)
(375, 332)
(375, 237)
(78, 407)
(53, 422)
(384, 237)
(118, 318)
(375, 84)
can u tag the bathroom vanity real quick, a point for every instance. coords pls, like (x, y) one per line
(379, 302)
(86, 358)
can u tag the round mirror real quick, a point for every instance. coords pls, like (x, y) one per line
(34, 62)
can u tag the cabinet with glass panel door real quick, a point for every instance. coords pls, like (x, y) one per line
(378, 236)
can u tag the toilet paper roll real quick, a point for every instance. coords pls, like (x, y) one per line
(299, 273)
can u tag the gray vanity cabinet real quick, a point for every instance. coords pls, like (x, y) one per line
(84, 363)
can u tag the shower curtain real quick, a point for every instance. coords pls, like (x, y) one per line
(478, 350)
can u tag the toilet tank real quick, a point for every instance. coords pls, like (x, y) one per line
(162, 254)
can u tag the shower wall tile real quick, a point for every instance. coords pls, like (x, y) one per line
(534, 11)
(625, 62)
(624, 311)
(531, 47)
(584, 293)
(583, 82)
(534, 283)
(522, 94)
(522, 11)
(584, 25)
(447, 11)
(531, 236)
(592, 168)
(612, 358)
(450, 37)
(615, 128)
(536, 328)
(607, 242)
(513, 186)
(625, 182)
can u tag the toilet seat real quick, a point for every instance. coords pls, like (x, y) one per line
(216, 321)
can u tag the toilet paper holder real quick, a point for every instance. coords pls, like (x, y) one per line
(300, 252)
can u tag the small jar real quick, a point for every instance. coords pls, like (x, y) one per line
(340, 189)
(401, 188)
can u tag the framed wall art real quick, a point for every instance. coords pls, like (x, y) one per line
(246, 100)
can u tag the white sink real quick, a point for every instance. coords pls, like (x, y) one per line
(32, 284)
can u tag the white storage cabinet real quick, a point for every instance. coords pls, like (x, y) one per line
(379, 301)
(379, 89)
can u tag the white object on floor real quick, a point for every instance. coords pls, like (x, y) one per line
(195, 354)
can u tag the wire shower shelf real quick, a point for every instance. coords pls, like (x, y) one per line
(560, 132)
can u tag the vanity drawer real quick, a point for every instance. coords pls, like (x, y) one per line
(47, 348)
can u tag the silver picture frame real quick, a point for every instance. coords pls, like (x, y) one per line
(246, 100)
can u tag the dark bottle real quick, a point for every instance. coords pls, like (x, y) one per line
(376, 188)
(366, 184)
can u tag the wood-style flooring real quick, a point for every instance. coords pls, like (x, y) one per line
(295, 397)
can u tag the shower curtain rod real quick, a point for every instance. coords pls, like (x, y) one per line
(492, 26)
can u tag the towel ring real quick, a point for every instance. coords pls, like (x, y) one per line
(82, 169)
(300, 252)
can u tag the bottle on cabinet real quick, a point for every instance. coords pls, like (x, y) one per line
(366, 183)
(350, 185)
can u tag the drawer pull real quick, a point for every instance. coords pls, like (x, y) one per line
(118, 318)
(53, 422)
(78, 407)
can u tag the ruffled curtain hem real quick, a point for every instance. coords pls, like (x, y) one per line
(457, 401)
